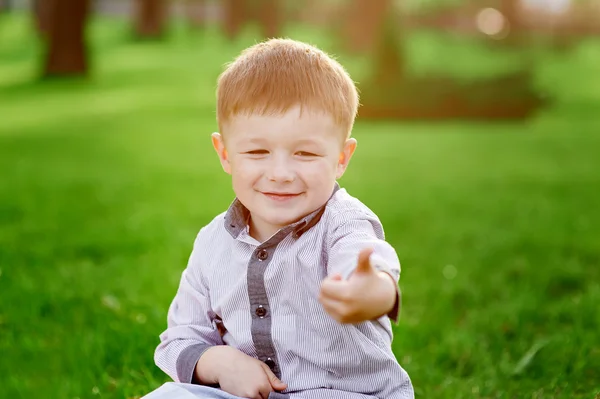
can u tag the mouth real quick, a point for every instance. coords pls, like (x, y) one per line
(281, 196)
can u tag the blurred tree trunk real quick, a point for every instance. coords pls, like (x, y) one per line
(66, 46)
(510, 8)
(389, 62)
(5, 5)
(512, 12)
(150, 18)
(364, 22)
(235, 15)
(195, 11)
(42, 10)
(270, 17)
(268, 14)
(387, 82)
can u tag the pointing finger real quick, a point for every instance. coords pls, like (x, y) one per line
(364, 263)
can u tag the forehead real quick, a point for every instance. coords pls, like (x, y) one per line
(293, 125)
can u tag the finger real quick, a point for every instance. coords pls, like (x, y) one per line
(364, 262)
(338, 290)
(336, 277)
(276, 383)
(264, 389)
(333, 307)
(340, 312)
(256, 395)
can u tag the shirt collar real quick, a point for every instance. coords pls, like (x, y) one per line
(238, 216)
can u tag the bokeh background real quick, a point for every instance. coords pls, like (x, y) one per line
(479, 149)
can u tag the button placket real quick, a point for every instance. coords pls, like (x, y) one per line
(271, 363)
(260, 311)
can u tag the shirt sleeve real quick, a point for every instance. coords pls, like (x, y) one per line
(191, 329)
(353, 232)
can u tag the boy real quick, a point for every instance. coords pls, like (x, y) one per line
(289, 293)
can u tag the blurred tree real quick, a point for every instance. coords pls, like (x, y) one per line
(428, 5)
(66, 45)
(391, 92)
(195, 12)
(235, 15)
(42, 17)
(268, 14)
(363, 23)
(388, 59)
(329, 14)
(517, 30)
(511, 11)
(150, 18)
(5, 5)
(270, 17)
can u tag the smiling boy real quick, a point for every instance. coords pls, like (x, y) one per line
(289, 293)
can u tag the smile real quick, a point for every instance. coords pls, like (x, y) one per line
(281, 197)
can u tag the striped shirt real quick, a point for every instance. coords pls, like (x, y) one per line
(262, 298)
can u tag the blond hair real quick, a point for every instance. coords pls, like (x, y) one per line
(273, 76)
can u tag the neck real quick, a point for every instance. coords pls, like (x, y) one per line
(261, 231)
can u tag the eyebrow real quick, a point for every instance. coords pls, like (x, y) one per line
(255, 140)
(261, 141)
(307, 141)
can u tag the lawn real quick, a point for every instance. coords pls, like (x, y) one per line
(104, 183)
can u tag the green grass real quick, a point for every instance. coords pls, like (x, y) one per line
(105, 182)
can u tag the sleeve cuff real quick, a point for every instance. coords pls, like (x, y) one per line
(394, 314)
(381, 266)
(186, 363)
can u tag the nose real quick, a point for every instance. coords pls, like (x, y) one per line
(280, 169)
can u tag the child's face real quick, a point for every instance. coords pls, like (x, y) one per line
(283, 167)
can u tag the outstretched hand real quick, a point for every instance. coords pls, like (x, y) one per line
(366, 295)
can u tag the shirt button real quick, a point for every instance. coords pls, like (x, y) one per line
(263, 254)
(271, 363)
(261, 311)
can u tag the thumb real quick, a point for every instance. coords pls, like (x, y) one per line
(276, 383)
(364, 263)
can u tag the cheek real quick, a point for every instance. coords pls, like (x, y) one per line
(321, 171)
(245, 171)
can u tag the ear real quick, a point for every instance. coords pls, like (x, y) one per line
(219, 145)
(345, 155)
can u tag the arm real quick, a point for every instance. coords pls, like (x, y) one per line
(190, 329)
(192, 351)
(364, 287)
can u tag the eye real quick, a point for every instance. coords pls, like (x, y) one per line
(257, 152)
(306, 154)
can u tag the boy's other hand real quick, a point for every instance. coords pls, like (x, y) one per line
(366, 295)
(237, 373)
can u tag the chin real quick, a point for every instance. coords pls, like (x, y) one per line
(281, 220)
